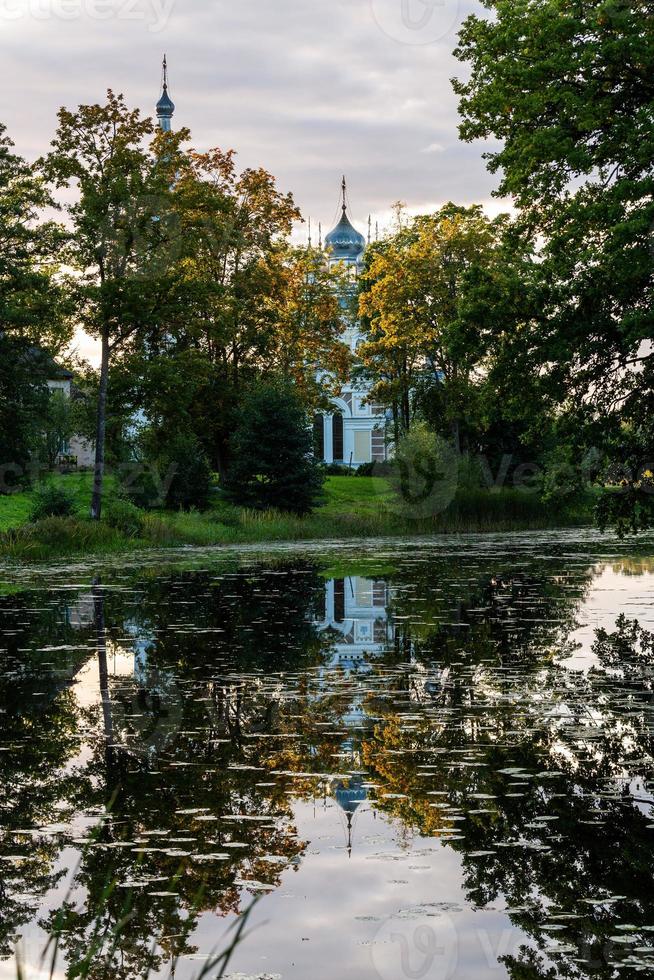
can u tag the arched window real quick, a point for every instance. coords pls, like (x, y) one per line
(319, 436)
(337, 436)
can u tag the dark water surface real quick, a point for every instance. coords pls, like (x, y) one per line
(425, 759)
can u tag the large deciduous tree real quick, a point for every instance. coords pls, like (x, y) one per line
(33, 325)
(568, 88)
(124, 238)
(431, 295)
(247, 305)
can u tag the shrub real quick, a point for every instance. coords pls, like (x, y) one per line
(425, 473)
(59, 536)
(273, 464)
(376, 468)
(124, 517)
(139, 487)
(179, 478)
(186, 470)
(51, 500)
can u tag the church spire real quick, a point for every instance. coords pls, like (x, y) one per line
(165, 105)
(344, 192)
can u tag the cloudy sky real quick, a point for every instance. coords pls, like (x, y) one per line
(307, 88)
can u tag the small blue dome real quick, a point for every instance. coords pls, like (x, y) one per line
(345, 242)
(350, 797)
(165, 105)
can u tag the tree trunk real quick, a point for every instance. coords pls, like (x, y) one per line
(101, 431)
(456, 437)
(396, 423)
(103, 671)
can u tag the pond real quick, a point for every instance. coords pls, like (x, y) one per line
(371, 761)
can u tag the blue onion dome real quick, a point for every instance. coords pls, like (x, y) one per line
(345, 242)
(165, 105)
(350, 798)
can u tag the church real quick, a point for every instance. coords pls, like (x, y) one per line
(354, 433)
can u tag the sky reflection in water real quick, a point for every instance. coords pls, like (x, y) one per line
(422, 759)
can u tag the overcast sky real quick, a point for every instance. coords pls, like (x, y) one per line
(307, 88)
(310, 89)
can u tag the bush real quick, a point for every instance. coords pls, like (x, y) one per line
(51, 500)
(186, 470)
(337, 469)
(124, 517)
(179, 478)
(273, 464)
(138, 486)
(59, 536)
(425, 473)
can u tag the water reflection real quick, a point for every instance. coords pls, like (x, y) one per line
(403, 751)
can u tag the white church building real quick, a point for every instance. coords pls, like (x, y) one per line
(354, 433)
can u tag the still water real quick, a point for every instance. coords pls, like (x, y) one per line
(425, 759)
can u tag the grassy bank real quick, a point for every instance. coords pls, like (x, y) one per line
(353, 507)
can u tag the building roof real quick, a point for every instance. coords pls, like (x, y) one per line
(345, 242)
(165, 105)
(47, 364)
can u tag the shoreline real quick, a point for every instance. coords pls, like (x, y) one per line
(56, 538)
(353, 508)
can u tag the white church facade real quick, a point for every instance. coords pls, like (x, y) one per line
(354, 433)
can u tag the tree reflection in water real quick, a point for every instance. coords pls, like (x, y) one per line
(431, 693)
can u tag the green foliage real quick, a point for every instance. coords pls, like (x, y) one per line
(123, 231)
(23, 402)
(628, 508)
(186, 473)
(431, 296)
(273, 465)
(31, 311)
(125, 517)
(140, 484)
(56, 427)
(565, 90)
(31, 302)
(425, 473)
(51, 500)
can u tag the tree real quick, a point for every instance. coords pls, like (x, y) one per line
(32, 313)
(427, 315)
(248, 305)
(567, 89)
(23, 405)
(123, 234)
(273, 465)
(31, 302)
(308, 345)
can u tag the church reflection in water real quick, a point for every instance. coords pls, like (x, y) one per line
(356, 622)
(356, 616)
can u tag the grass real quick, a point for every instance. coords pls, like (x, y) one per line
(15, 509)
(353, 507)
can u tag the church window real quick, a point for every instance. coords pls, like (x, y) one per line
(338, 436)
